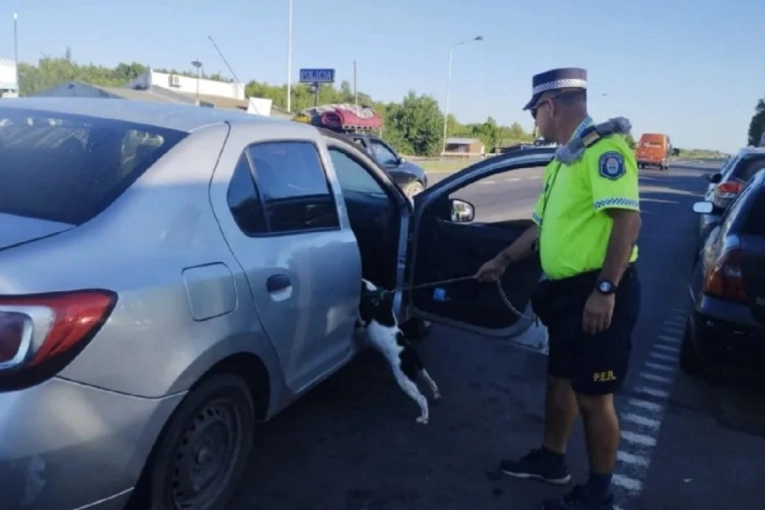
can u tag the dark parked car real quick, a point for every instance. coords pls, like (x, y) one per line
(726, 327)
(726, 184)
(412, 178)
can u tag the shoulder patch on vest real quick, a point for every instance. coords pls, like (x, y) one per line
(611, 165)
(590, 136)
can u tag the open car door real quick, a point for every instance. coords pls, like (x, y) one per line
(452, 238)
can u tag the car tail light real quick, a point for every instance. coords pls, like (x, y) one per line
(728, 189)
(42, 333)
(725, 279)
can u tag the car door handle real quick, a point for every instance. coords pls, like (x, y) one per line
(277, 282)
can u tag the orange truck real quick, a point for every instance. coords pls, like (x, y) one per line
(653, 149)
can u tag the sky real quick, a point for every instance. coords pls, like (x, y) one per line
(693, 69)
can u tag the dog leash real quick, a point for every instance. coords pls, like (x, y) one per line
(500, 290)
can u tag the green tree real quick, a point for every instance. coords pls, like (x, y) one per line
(52, 71)
(757, 125)
(416, 122)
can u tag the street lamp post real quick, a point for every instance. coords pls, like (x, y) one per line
(198, 65)
(449, 83)
(289, 59)
(16, 51)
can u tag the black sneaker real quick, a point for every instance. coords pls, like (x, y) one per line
(540, 465)
(578, 499)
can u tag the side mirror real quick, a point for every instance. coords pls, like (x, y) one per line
(401, 160)
(703, 207)
(715, 178)
(461, 211)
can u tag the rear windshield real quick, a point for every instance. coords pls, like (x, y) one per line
(69, 168)
(746, 167)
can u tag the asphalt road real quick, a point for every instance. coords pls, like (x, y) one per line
(353, 444)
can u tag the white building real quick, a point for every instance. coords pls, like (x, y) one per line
(172, 88)
(9, 86)
(188, 85)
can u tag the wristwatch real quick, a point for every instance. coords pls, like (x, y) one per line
(605, 287)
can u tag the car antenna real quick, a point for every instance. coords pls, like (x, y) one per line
(239, 82)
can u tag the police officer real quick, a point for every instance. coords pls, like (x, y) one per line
(587, 221)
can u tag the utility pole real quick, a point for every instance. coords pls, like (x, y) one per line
(355, 90)
(449, 84)
(16, 51)
(289, 59)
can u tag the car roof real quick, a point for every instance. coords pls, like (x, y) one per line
(746, 151)
(164, 115)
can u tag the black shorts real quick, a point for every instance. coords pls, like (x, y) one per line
(595, 364)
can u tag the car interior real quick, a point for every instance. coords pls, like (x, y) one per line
(373, 211)
(452, 247)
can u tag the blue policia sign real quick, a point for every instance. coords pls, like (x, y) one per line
(317, 76)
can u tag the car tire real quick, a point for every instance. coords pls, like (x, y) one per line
(413, 188)
(690, 362)
(216, 419)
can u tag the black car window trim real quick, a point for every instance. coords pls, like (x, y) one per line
(259, 185)
(244, 155)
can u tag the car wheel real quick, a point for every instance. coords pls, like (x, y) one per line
(413, 188)
(689, 358)
(204, 448)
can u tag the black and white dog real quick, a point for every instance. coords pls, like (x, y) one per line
(377, 319)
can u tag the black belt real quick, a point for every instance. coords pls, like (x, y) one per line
(583, 281)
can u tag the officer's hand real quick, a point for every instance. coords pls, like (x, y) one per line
(597, 312)
(491, 270)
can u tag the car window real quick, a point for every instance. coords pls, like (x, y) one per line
(70, 168)
(751, 166)
(728, 166)
(352, 176)
(243, 200)
(293, 186)
(383, 155)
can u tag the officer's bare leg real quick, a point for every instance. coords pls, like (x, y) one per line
(561, 410)
(601, 429)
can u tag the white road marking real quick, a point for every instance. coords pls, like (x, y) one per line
(652, 391)
(488, 182)
(644, 404)
(662, 357)
(513, 179)
(628, 483)
(634, 459)
(628, 458)
(641, 420)
(668, 348)
(660, 367)
(656, 378)
(636, 438)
